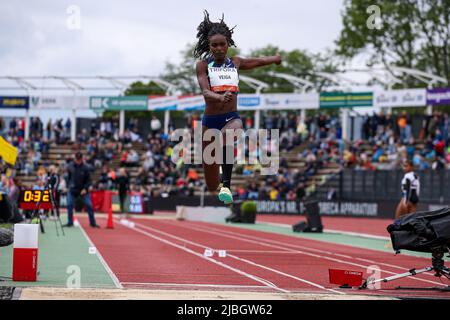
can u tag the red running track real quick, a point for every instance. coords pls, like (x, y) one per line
(169, 253)
(370, 226)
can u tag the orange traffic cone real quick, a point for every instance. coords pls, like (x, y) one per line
(110, 224)
(75, 221)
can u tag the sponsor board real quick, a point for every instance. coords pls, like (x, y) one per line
(400, 98)
(59, 102)
(14, 102)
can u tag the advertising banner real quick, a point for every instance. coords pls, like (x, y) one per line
(193, 103)
(14, 102)
(128, 103)
(437, 97)
(346, 99)
(59, 102)
(162, 103)
(400, 98)
(249, 102)
(289, 101)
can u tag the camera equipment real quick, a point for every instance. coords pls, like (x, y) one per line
(5, 208)
(427, 231)
(51, 185)
(6, 237)
(313, 221)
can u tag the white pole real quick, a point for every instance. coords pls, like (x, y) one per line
(302, 115)
(166, 121)
(202, 196)
(429, 110)
(389, 109)
(122, 122)
(73, 129)
(344, 120)
(257, 118)
(27, 125)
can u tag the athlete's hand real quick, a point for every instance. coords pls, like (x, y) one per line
(277, 59)
(83, 192)
(227, 97)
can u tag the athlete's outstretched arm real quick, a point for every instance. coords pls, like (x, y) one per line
(202, 79)
(251, 63)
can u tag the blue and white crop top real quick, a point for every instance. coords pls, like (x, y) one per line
(223, 77)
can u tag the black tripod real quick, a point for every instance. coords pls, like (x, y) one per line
(54, 210)
(437, 265)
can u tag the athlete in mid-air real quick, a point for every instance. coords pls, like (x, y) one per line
(218, 77)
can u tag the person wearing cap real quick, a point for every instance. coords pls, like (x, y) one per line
(79, 180)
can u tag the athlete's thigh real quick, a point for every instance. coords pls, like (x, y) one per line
(233, 124)
(411, 207)
(401, 209)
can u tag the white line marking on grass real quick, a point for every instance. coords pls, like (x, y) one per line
(103, 262)
(247, 261)
(285, 246)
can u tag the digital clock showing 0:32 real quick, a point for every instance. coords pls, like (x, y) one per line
(35, 199)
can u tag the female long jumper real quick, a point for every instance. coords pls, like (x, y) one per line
(218, 77)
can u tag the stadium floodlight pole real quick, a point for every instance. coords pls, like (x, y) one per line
(258, 86)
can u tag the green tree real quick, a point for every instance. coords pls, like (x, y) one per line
(296, 62)
(412, 34)
(140, 88)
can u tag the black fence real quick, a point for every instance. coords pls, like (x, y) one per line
(379, 185)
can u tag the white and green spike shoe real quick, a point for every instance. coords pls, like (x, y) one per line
(225, 195)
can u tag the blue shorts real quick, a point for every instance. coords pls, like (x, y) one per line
(218, 121)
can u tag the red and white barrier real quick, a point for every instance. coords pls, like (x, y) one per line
(25, 252)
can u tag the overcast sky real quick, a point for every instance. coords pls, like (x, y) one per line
(138, 37)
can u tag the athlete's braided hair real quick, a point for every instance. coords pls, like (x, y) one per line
(207, 29)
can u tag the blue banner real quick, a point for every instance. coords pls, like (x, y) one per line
(14, 102)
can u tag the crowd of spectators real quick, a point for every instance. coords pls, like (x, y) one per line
(386, 141)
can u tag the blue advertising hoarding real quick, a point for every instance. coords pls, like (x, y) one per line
(14, 102)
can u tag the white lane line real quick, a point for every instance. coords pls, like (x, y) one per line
(103, 262)
(195, 285)
(285, 246)
(332, 253)
(235, 257)
(250, 276)
(316, 250)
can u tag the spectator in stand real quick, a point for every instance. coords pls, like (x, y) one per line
(48, 129)
(402, 123)
(132, 158)
(124, 158)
